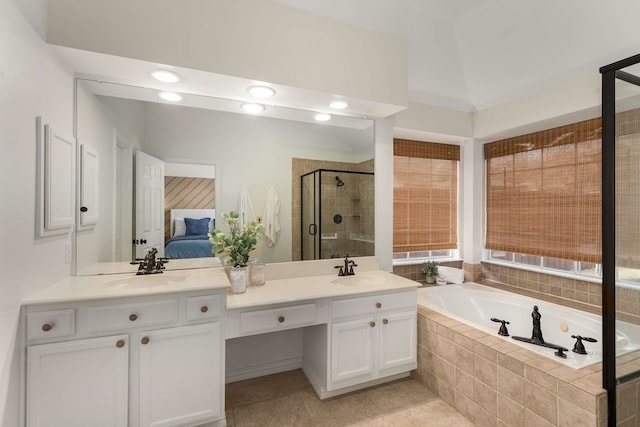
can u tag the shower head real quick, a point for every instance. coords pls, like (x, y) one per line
(339, 182)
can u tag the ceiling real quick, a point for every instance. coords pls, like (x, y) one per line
(472, 54)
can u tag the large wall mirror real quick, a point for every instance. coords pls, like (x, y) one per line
(212, 155)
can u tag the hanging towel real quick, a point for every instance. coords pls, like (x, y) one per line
(271, 217)
(245, 208)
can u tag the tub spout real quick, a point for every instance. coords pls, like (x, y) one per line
(536, 334)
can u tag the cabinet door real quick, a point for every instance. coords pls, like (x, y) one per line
(78, 383)
(181, 375)
(398, 344)
(352, 349)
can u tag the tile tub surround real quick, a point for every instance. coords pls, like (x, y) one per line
(563, 290)
(494, 382)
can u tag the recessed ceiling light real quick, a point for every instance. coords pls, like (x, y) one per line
(170, 96)
(253, 108)
(338, 105)
(165, 76)
(322, 117)
(261, 92)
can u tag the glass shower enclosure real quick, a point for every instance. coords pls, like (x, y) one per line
(621, 239)
(337, 214)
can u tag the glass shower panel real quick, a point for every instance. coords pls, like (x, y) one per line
(627, 243)
(342, 222)
(310, 243)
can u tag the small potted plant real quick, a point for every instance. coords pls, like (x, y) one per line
(430, 270)
(237, 244)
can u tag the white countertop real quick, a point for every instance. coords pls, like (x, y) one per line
(286, 282)
(81, 288)
(302, 288)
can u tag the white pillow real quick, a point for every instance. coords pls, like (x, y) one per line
(179, 227)
(452, 275)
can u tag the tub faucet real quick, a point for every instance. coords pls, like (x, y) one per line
(150, 264)
(503, 327)
(579, 346)
(347, 269)
(536, 335)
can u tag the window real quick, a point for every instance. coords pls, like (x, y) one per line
(549, 264)
(543, 196)
(425, 199)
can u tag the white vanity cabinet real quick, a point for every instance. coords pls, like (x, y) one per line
(79, 383)
(139, 361)
(372, 337)
(369, 339)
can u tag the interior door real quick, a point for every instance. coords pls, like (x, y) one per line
(149, 213)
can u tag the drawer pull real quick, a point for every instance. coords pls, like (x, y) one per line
(204, 309)
(378, 305)
(372, 324)
(281, 319)
(133, 317)
(120, 343)
(47, 327)
(144, 340)
(385, 321)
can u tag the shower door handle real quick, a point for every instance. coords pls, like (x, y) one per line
(313, 229)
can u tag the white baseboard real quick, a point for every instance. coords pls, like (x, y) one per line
(248, 372)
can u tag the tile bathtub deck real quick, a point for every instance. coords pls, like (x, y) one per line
(287, 399)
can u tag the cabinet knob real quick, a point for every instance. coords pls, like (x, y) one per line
(372, 324)
(204, 309)
(47, 327)
(144, 340)
(385, 321)
(120, 343)
(133, 317)
(83, 209)
(281, 319)
(378, 305)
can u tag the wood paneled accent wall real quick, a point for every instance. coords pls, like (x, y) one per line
(186, 193)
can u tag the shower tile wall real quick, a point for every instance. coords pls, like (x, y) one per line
(344, 205)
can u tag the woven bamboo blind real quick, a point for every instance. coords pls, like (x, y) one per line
(425, 196)
(543, 193)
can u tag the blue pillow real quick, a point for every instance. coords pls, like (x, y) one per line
(197, 227)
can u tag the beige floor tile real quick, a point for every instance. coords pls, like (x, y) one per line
(286, 399)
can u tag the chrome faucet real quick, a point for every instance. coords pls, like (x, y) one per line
(150, 264)
(347, 269)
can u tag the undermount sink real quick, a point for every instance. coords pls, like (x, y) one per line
(358, 279)
(144, 281)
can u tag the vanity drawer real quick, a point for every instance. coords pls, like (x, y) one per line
(49, 324)
(352, 307)
(277, 318)
(203, 307)
(122, 316)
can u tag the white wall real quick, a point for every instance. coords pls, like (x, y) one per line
(247, 151)
(98, 120)
(32, 83)
(279, 44)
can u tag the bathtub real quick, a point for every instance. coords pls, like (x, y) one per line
(476, 304)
